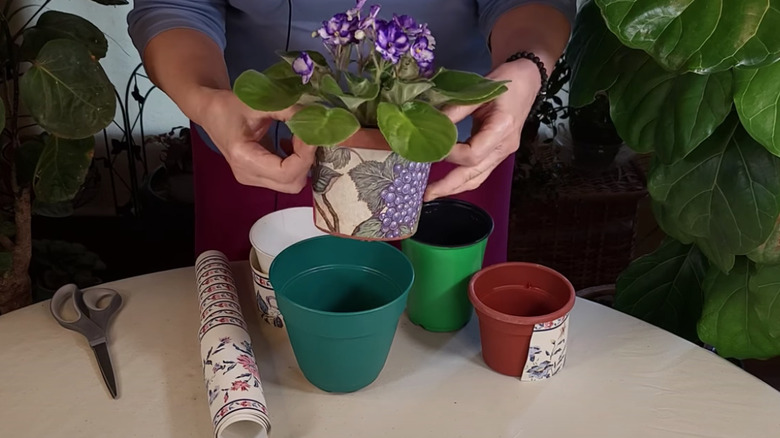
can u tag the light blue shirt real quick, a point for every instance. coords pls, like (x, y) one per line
(251, 31)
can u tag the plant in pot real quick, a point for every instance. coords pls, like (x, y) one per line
(698, 87)
(374, 114)
(56, 263)
(172, 180)
(52, 81)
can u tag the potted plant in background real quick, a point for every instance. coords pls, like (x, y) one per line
(56, 263)
(698, 87)
(374, 114)
(51, 71)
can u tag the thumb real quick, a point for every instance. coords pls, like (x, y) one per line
(456, 113)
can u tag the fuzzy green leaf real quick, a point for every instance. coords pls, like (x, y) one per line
(317, 125)
(465, 88)
(417, 131)
(401, 92)
(263, 93)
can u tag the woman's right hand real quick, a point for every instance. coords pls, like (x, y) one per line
(239, 132)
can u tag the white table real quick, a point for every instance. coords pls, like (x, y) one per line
(623, 378)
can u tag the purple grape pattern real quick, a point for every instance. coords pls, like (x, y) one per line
(393, 191)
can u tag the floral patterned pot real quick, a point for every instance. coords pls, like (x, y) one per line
(363, 190)
(523, 312)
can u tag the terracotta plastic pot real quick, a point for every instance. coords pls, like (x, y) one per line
(523, 311)
(363, 190)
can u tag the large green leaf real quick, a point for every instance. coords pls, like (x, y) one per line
(67, 92)
(591, 54)
(726, 192)
(464, 88)
(664, 288)
(741, 314)
(329, 85)
(401, 92)
(62, 167)
(655, 109)
(53, 25)
(317, 125)
(698, 35)
(262, 93)
(757, 98)
(417, 131)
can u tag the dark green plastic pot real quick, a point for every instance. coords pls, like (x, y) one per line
(341, 300)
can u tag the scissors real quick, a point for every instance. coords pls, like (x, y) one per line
(92, 318)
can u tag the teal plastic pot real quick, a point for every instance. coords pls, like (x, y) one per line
(341, 300)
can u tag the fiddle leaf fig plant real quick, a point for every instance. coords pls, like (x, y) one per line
(380, 75)
(54, 96)
(698, 87)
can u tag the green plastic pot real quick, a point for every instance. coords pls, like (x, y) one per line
(341, 300)
(447, 249)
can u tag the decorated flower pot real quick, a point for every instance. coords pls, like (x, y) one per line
(363, 190)
(523, 311)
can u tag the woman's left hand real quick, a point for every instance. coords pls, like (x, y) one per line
(495, 133)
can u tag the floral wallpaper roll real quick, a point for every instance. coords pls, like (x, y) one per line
(235, 391)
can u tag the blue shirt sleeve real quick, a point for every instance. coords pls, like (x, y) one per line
(148, 18)
(490, 10)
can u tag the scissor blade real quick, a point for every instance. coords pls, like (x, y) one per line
(104, 363)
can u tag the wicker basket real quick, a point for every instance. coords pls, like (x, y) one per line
(586, 231)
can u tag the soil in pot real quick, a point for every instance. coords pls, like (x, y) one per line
(363, 190)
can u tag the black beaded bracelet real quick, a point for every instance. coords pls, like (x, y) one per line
(542, 72)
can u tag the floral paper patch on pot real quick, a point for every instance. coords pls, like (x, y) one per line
(378, 126)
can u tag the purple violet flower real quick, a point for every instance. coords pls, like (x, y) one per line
(339, 30)
(391, 40)
(405, 22)
(422, 53)
(354, 12)
(304, 66)
(370, 20)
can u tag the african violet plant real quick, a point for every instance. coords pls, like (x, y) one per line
(382, 76)
(697, 84)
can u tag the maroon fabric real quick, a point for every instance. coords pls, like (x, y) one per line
(225, 210)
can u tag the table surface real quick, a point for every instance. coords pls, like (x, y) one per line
(622, 377)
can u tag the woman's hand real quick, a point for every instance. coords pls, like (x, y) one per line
(240, 133)
(495, 132)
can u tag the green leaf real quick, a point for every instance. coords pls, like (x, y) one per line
(768, 253)
(62, 168)
(67, 92)
(417, 131)
(317, 125)
(281, 70)
(726, 192)
(362, 87)
(6, 262)
(741, 314)
(27, 157)
(654, 108)
(698, 35)
(53, 25)
(2, 115)
(591, 55)
(664, 288)
(53, 209)
(371, 228)
(757, 98)
(466, 88)
(401, 92)
(315, 56)
(262, 93)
